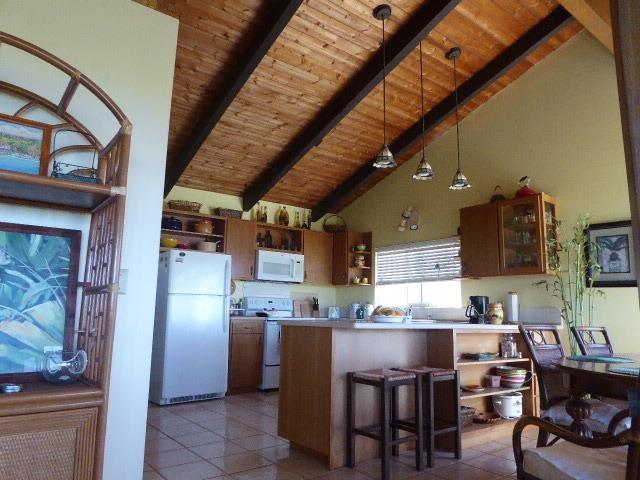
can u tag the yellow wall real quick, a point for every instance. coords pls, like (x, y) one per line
(211, 200)
(559, 124)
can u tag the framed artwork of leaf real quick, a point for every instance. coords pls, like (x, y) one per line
(614, 252)
(38, 287)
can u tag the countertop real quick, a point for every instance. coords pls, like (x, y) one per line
(363, 325)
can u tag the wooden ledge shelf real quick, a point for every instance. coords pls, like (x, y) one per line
(186, 233)
(46, 397)
(487, 392)
(183, 213)
(279, 250)
(52, 192)
(497, 361)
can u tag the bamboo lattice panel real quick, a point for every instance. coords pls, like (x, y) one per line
(320, 50)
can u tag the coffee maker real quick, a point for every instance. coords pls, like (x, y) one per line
(477, 309)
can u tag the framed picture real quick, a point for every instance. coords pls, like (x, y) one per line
(38, 287)
(24, 145)
(615, 254)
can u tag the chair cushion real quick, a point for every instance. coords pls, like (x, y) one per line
(380, 373)
(602, 413)
(567, 461)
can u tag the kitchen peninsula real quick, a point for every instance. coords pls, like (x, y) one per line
(316, 356)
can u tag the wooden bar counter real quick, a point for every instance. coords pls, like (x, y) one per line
(316, 356)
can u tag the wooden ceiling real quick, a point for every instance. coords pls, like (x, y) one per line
(322, 48)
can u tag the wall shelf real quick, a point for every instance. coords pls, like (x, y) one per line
(185, 233)
(488, 392)
(497, 361)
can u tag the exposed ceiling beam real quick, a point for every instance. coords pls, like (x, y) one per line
(283, 11)
(499, 66)
(401, 45)
(595, 16)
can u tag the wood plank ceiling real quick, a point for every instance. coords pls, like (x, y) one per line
(324, 46)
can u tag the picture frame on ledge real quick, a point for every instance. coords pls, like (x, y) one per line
(615, 254)
(24, 145)
(38, 291)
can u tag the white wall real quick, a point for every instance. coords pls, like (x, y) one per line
(129, 51)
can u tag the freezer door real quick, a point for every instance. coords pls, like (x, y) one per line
(196, 345)
(272, 343)
(199, 273)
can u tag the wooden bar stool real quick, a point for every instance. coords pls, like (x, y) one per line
(433, 426)
(387, 381)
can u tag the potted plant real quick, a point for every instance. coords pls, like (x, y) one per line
(574, 274)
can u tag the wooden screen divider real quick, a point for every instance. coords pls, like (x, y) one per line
(106, 204)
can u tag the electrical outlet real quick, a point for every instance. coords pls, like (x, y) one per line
(122, 281)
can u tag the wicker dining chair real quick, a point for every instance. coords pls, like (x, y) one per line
(545, 347)
(593, 340)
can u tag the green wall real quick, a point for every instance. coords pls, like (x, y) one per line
(559, 124)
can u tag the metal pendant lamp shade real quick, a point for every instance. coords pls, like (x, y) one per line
(460, 181)
(424, 171)
(384, 159)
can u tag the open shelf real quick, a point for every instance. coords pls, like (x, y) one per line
(497, 361)
(184, 233)
(488, 392)
(42, 396)
(53, 192)
(183, 213)
(279, 250)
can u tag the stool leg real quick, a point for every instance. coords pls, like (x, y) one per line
(395, 414)
(419, 424)
(351, 421)
(384, 426)
(456, 396)
(430, 427)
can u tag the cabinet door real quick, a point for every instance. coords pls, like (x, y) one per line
(479, 241)
(241, 245)
(340, 272)
(53, 445)
(318, 257)
(245, 372)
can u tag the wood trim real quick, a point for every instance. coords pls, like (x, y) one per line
(595, 15)
(505, 61)
(625, 16)
(68, 94)
(235, 81)
(398, 48)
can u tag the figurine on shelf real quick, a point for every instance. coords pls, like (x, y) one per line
(525, 189)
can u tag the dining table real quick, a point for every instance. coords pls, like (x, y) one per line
(596, 378)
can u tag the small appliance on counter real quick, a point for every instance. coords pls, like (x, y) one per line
(477, 309)
(274, 309)
(334, 313)
(508, 405)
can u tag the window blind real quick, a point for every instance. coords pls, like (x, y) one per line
(419, 262)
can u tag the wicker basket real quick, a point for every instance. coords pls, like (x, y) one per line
(184, 205)
(228, 212)
(466, 415)
(339, 226)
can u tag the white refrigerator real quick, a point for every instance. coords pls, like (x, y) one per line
(191, 332)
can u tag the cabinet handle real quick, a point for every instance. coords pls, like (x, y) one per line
(251, 271)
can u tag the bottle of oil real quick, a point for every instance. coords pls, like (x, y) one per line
(297, 221)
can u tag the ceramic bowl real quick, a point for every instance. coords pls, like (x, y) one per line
(169, 242)
(207, 246)
(360, 248)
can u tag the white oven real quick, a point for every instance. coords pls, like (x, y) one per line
(279, 267)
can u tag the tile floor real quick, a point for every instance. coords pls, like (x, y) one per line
(236, 439)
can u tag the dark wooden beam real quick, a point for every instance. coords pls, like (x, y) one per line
(401, 45)
(496, 68)
(625, 16)
(283, 11)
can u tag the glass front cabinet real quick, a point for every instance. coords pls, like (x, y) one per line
(525, 225)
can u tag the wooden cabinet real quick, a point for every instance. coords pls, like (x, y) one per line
(241, 245)
(507, 237)
(52, 445)
(318, 257)
(346, 266)
(479, 241)
(245, 355)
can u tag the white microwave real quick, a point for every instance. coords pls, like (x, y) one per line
(279, 267)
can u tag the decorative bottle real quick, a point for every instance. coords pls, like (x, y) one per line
(264, 214)
(309, 220)
(297, 221)
(283, 216)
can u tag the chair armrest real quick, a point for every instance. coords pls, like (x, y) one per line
(617, 418)
(608, 441)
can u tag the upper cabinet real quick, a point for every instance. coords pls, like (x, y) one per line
(353, 258)
(318, 257)
(241, 245)
(507, 237)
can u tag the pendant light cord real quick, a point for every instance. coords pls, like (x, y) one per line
(421, 98)
(455, 85)
(384, 88)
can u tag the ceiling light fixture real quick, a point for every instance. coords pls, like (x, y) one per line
(424, 171)
(459, 182)
(384, 159)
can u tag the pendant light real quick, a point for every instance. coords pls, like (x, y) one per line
(459, 182)
(424, 171)
(384, 159)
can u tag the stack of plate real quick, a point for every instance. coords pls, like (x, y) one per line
(511, 377)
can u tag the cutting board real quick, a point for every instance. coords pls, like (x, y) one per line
(303, 303)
